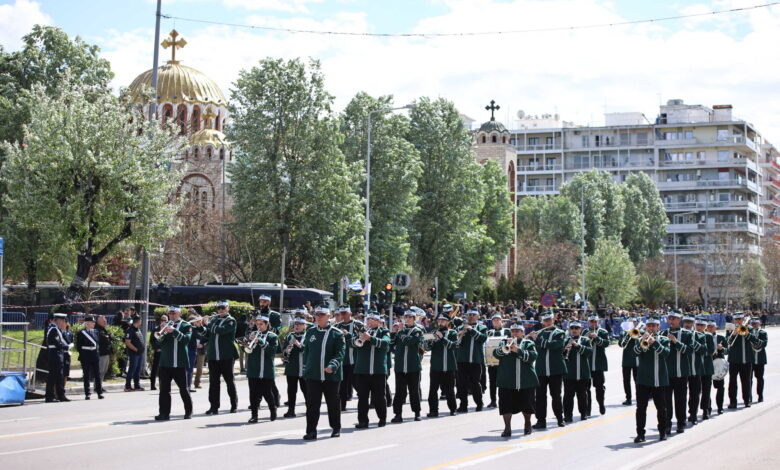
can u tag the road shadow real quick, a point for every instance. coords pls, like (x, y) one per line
(493, 438)
(651, 439)
(297, 441)
(140, 421)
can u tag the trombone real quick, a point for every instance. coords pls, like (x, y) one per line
(741, 330)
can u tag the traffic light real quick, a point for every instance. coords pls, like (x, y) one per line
(433, 292)
(388, 287)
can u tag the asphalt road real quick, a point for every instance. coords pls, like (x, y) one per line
(119, 433)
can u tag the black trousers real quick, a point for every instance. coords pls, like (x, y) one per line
(572, 388)
(553, 382)
(261, 388)
(597, 381)
(492, 375)
(469, 376)
(643, 396)
(91, 371)
(55, 382)
(675, 401)
(758, 372)
(315, 389)
(155, 368)
(445, 381)
(742, 373)
(694, 395)
(706, 393)
(720, 389)
(292, 390)
(371, 387)
(178, 375)
(224, 369)
(483, 378)
(409, 381)
(347, 383)
(627, 373)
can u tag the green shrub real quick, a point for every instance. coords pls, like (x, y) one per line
(237, 309)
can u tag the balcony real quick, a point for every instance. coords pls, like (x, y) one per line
(613, 165)
(538, 190)
(539, 168)
(714, 227)
(731, 162)
(711, 205)
(721, 141)
(698, 184)
(712, 248)
(538, 147)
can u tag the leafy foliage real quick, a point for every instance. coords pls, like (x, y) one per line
(609, 274)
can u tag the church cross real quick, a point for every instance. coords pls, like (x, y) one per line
(493, 108)
(174, 44)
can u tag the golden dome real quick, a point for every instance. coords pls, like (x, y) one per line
(179, 84)
(209, 137)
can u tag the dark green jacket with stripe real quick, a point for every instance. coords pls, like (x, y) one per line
(699, 350)
(653, 371)
(406, 348)
(549, 344)
(221, 336)
(708, 367)
(630, 358)
(758, 348)
(260, 364)
(443, 357)
(174, 346)
(516, 370)
(578, 360)
(371, 358)
(293, 366)
(678, 362)
(323, 348)
(470, 347)
(741, 350)
(598, 355)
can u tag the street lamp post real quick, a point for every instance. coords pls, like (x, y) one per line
(367, 285)
(582, 243)
(674, 254)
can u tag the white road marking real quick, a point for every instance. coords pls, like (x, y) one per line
(17, 419)
(52, 431)
(71, 444)
(543, 444)
(334, 457)
(250, 439)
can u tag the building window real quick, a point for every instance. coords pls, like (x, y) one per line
(701, 155)
(208, 153)
(550, 142)
(484, 139)
(723, 134)
(533, 141)
(688, 135)
(222, 154)
(625, 138)
(196, 153)
(585, 140)
(641, 138)
(494, 138)
(723, 156)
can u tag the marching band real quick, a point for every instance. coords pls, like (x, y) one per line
(676, 367)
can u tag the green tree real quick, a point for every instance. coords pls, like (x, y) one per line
(644, 235)
(610, 275)
(291, 183)
(48, 58)
(549, 218)
(529, 215)
(91, 175)
(753, 282)
(653, 289)
(603, 204)
(395, 168)
(446, 231)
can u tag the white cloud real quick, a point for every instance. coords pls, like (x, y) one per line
(579, 73)
(17, 20)
(290, 6)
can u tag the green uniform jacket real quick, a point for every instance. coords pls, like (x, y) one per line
(699, 351)
(516, 370)
(678, 362)
(294, 365)
(708, 367)
(630, 359)
(443, 352)
(598, 357)
(470, 348)
(323, 348)
(221, 336)
(371, 358)
(758, 354)
(740, 351)
(174, 349)
(653, 362)
(260, 364)
(578, 362)
(351, 328)
(406, 346)
(720, 339)
(550, 345)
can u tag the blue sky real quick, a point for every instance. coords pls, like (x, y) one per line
(711, 60)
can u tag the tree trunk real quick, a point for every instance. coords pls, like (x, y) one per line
(77, 288)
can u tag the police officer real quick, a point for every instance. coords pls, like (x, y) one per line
(348, 327)
(87, 345)
(56, 346)
(577, 353)
(496, 331)
(371, 349)
(678, 365)
(406, 344)
(260, 367)
(134, 344)
(444, 366)
(174, 360)
(721, 350)
(599, 341)
(652, 379)
(221, 335)
(471, 358)
(517, 380)
(293, 368)
(629, 361)
(550, 368)
(758, 355)
(323, 355)
(740, 362)
(698, 348)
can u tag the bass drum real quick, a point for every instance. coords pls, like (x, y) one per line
(721, 368)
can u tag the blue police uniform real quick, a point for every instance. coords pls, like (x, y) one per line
(87, 345)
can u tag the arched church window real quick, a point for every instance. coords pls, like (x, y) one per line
(208, 153)
(484, 139)
(494, 139)
(195, 124)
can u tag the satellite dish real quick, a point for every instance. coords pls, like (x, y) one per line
(520, 114)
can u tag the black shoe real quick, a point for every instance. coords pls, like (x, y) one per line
(567, 420)
(417, 417)
(747, 405)
(662, 436)
(273, 414)
(290, 414)
(188, 415)
(343, 408)
(162, 418)
(693, 421)
(733, 406)
(680, 429)
(310, 436)
(583, 417)
(51, 400)
(492, 404)
(506, 433)
(443, 397)
(452, 413)
(336, 433)
(100, 396)
(705, 416)
(104, 391)
(627, 402)
(64, 399)
(192, 390)
(462, 410)
(760, 399)
(602, 409)
(397, 419)
(211, 411)
(381, 424)
(287, 403)
(479, 408)
(361, 426)
(527, 429)
(433, 414)
(540, 425)
(561, 423)
(86, 397)
(152, 388)
(639, 439)
(252, 420)
(233, 408)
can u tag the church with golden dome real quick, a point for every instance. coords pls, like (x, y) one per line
(198, 107)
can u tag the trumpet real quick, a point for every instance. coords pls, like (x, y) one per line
(161, 332)
(294, 343)
(645, 342)
(507, 347)
(254, 339)
(358, 330)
